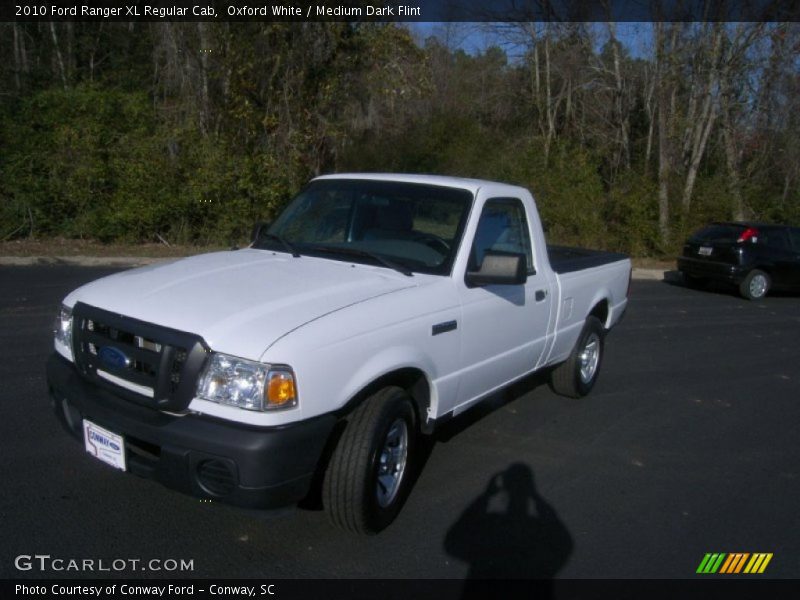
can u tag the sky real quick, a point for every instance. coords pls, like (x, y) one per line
(474, 38)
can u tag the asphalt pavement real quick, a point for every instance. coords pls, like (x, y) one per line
(687, 445)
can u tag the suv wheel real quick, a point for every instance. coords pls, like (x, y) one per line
(755, 286)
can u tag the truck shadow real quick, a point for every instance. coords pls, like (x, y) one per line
(426, 444)
(447, 431)
(509, 532)
(675, 279)
(457, 425)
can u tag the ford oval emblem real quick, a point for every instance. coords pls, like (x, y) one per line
(114, 358)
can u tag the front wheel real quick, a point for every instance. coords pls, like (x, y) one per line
(755, 286)
(576, 376)
(368, 475)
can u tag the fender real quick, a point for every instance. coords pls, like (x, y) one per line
(392, 360)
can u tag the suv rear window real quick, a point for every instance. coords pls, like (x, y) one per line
(718, 233)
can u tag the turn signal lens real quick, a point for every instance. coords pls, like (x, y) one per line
(247, 384)
(281, 390)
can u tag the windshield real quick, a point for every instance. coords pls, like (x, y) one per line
(413, 226)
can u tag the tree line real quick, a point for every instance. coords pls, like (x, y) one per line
(189, 132)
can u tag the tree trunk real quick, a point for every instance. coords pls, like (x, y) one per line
(17, 60)
(70, 63)
(787, 180)
(702, 128)
(23, 53)
(60, 58)
(663, 133)
(93, 50)
(619, 95)
(731, 158)
(548, 99)
(205, 48)
(663, 175)
(651, 117)
(694, 165)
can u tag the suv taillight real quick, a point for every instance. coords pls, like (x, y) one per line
(749, 235)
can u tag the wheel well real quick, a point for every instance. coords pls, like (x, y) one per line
(412, 380)
(600, 310)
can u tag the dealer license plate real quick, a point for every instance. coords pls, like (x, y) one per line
(104, 444)
(705, 251)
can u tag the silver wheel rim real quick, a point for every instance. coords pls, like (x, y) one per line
(589, 358)
(392, 462)
(758, 286)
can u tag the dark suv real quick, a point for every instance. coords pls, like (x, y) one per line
(755, 256)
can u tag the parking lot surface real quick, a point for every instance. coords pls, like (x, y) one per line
(687, 445)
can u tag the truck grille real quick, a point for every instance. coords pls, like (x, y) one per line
(142, 362)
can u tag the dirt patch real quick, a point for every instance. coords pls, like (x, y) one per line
(660, 264)
(54, 247)
(67, 247)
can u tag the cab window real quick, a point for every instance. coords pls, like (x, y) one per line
(502, 227)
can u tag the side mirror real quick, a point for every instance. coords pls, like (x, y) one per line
(257, 228)
(499, 268)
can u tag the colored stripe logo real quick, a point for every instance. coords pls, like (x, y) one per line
(734, 563)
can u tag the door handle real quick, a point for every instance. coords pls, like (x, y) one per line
(541, 295)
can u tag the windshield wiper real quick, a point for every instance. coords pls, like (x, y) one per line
(283, 242)
(365, 253)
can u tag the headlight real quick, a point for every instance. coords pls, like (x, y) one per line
(62, 328)
(247, 384)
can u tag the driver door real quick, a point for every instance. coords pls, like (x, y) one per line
(504, 326)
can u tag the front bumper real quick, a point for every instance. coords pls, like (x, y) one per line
(709, 269)
(252, 467)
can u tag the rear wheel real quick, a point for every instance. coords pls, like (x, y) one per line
(755, 286)
(369, 472)
(576, 376)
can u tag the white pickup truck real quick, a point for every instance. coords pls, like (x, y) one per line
(374, 308)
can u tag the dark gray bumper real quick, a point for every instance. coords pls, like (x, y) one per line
(253, 467)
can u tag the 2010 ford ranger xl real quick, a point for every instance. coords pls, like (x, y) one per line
(373, 308)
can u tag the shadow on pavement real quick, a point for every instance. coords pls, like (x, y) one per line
(510, 531)
(676, 279)
(447, 431)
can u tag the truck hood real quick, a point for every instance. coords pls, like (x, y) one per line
(239, 302)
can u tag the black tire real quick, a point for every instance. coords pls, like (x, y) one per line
(756, 285)
(350, 490)
(567, 378)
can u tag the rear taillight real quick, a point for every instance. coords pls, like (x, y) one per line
(749, 235)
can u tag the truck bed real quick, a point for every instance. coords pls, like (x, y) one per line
(566, 259)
